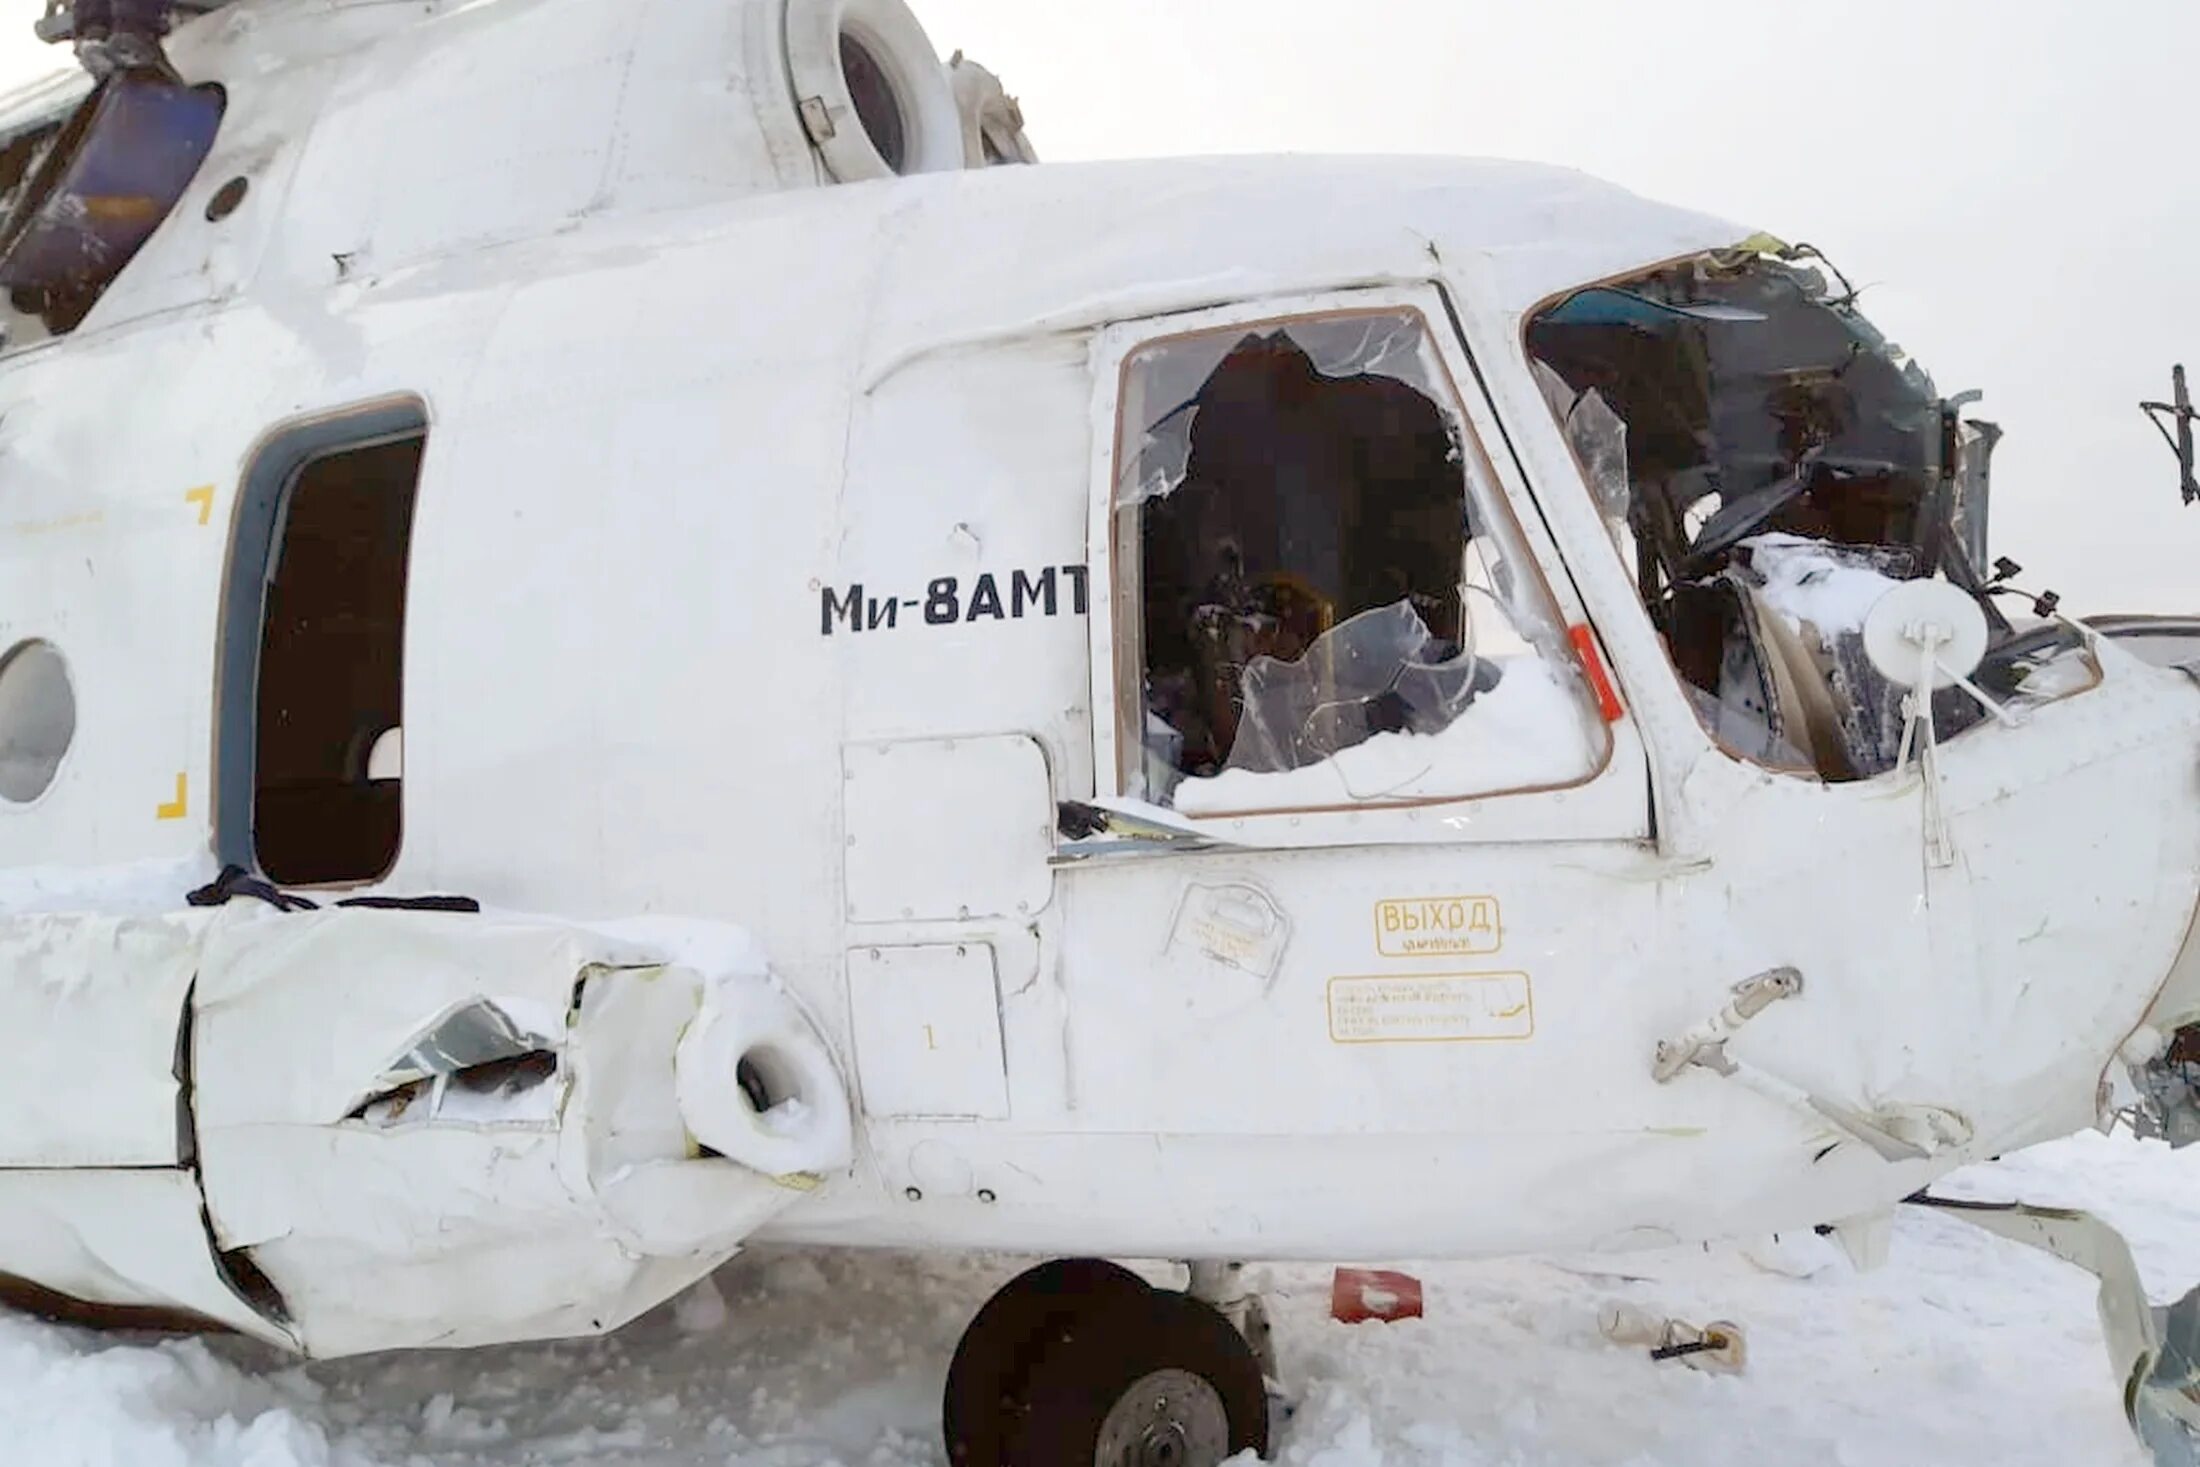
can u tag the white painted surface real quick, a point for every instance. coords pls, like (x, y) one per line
(265, 1051)
(94, 1009)
(428, 1224)
(121, 1237)
(948, 829)
(928, 1032)
(799, 1128)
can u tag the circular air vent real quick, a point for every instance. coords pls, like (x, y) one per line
(874, 98)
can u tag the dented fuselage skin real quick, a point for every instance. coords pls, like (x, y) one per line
(760, 577)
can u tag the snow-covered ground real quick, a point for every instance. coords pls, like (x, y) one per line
(1963, 1349)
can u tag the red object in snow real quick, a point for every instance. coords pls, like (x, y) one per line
(1358, 1295)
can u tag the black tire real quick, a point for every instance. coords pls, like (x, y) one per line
(1089, 1364)
(985, 1379)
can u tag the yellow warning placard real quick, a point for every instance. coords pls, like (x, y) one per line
(1438, 927)
(1436, 1008)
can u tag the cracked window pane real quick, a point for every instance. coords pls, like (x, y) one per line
(1770, 465)
(1322, 570)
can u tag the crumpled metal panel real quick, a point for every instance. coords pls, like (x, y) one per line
(561, 1204)
(303, 1016)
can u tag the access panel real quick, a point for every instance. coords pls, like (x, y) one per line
(948, 829)
(928, 1031)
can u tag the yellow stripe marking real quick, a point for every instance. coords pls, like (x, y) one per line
(203, 497)
(178, 807)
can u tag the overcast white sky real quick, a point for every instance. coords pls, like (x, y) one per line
(2018, 180)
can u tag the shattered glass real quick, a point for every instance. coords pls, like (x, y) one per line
(1754, 401)
(1380, 672)
(1967, 517)
(1171, 382)
(1316, 563)
(1731, 408)
(1826, 591)
(2055, 675)
(1598, 438)
(1747, 731)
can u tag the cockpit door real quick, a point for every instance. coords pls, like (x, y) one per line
(1371, 810)
(1321, 613)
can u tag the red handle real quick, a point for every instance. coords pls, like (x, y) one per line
(1585, 647)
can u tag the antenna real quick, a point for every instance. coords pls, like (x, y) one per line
(2179, 411)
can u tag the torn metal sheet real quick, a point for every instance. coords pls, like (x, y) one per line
(476, 1032)
(513, 1135)
(2154, 1352)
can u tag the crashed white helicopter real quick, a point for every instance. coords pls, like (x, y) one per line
(616, 643)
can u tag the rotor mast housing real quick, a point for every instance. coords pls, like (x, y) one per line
(375, 138)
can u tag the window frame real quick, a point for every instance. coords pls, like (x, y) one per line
(1609, 801)
(1545, 452)
(271, 470)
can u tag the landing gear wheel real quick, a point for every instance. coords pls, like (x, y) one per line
(1159, 1382)
(985, 1380)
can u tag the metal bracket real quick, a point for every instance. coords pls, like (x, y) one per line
(1705, 1044)
(1096, 831)
(1719, 1347)
(1221, 1287)
(1894, 1132)
(817, 121)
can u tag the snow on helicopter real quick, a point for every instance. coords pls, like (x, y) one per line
(622, 632)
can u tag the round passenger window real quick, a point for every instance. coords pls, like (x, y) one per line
(878, 105)
(37, 719)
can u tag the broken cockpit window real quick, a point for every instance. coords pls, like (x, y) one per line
(1770, 466)
(1331, 605)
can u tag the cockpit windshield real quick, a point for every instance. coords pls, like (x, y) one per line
(1753, 400)
(1768, 464)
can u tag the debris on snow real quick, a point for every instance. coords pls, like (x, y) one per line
(1962, 1349)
